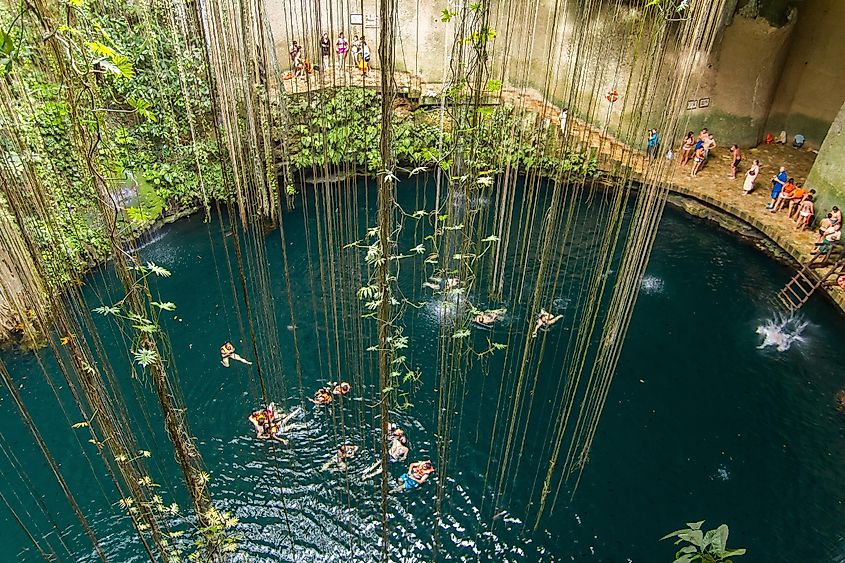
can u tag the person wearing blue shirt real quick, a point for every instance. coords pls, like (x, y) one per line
(777, 185)
(653, 143)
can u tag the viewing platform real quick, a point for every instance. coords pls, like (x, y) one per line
(711, 187)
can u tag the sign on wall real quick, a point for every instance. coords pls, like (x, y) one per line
(371, 20)
(356, 19)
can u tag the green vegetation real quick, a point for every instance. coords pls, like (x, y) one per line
(147, 151)
(347, 130)
(703, 547)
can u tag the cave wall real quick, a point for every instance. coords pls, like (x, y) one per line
(759, 78)
(811, 89)
(828, 174)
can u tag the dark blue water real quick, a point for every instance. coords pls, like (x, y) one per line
(700, 423)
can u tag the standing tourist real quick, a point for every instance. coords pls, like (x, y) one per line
(365, 56)
(709, 144)
(805, 214)
(342, 48)
(785, 196)
(697, 161)
(355, 50)
(686, 148)
(751, 177)
(736, 158)
(562, 118)
(325, 50)
(653, 143)
(778, 182)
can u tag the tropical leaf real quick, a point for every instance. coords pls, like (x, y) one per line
(158, 270)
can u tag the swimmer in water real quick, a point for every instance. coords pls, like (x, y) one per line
(398, 447)
(544, 321)
(417, 474)
(344, 452)
(227, 351)
(323, 396)
(486, 318)
(341, 388)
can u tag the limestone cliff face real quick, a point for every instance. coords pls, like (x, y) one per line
(828, 174)
(759, 77)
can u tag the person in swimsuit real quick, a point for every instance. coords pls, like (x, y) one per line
(698, 160)
(399, 448)
(341, 388)
(785, 195)
(544, 321)
(736, 158)
(342, 46)
(322, 396)
(798, 196)
(227, 352)
(686, 148)
(417, 474)
(486, 318)
(805, 214)
(344, 452)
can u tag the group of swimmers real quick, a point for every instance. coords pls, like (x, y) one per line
(269, 423)
(418, 472)
(325, 395)
(486, 319)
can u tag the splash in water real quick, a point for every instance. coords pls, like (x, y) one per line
(651, 285)
(781, 332)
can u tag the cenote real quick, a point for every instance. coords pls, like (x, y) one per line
(700, 422)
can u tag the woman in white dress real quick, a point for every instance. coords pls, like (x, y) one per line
(751, 177)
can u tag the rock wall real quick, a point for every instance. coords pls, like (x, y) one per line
(828, 174)
(812, 86)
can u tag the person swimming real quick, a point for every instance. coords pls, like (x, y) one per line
(227, 351)
(269, 424)
(544, 321)
(398, 447)
(344, 452)
(341, 388)
(417, 474)
(486, 319)
(322, 396)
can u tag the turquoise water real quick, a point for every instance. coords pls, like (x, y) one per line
(700, 423)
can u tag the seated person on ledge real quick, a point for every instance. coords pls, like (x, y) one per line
(228, 351)
(417, 474)
(544, 321)
(322, 397)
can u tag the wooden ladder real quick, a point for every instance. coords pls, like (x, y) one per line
(806, 281)
(799, 289)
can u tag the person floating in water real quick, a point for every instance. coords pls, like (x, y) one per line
(269, 424)
(322, 396)
(344, 452)
(417, 474)
(228, 351)
(398, 445)
(544, 321)
(341, 388)
(486, 318)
